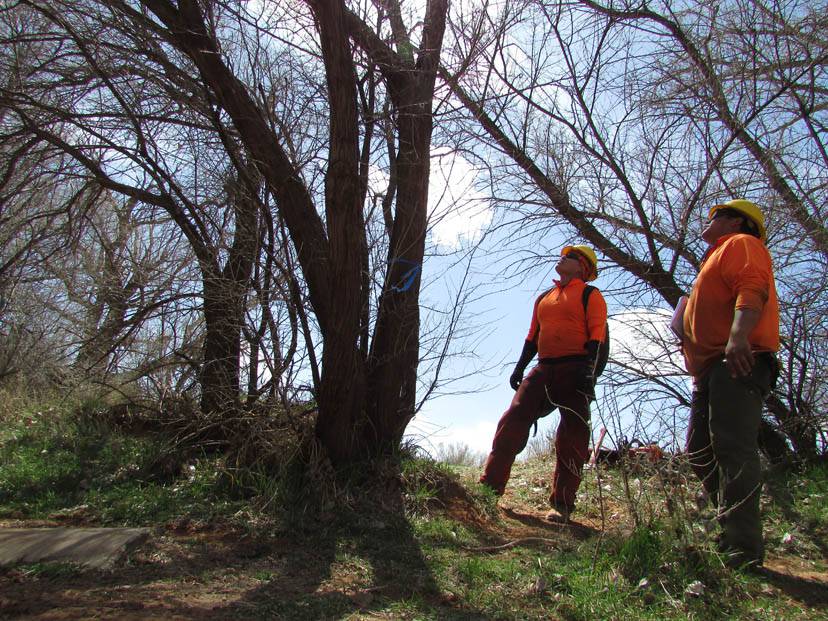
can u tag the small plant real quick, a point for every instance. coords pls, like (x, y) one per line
(49, 571)
(641, 554)
(423, 480)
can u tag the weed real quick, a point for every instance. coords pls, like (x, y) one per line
(49, 571)
(641, 554)
(440, 530)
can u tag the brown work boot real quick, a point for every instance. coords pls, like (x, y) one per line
(559, 515)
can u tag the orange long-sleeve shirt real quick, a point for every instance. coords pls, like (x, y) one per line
(735, 273)
(559, 326)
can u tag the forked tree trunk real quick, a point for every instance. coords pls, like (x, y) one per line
(364, 404)
(224, 295)
(395, 349)
(221, 353)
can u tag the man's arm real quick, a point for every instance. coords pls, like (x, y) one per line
(738, 354)
(746, 267)
(530, 348)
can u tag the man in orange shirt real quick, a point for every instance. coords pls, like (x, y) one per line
(566, 335)
(731, 331)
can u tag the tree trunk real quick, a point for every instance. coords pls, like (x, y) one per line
(395, 349)
(219, 376)
(773, 445)
(224, 295)
(341, 394)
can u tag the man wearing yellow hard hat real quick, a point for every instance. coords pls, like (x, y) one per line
(567, 330)
(730, 336)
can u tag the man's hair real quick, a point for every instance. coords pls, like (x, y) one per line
(748, 226)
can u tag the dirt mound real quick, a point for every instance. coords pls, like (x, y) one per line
(455, 501)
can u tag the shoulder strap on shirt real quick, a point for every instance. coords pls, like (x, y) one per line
(588, 289)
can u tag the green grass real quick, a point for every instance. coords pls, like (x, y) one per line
(48, 571)
(53, 461)
(362, 560)
(796, 513)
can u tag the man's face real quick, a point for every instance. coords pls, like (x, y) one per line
(722, 223)
(569, 266)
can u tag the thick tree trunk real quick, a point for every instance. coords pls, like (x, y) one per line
(773, 445)
(219, 377)
(341, 394)
(224, 295)
(395, 349)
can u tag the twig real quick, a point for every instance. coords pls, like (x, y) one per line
(512, 544)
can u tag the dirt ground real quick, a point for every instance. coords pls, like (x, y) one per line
(189, 570)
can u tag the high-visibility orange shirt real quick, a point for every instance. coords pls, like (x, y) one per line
(560, 327)
(736, 273)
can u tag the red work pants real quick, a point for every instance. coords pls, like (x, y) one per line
(547, 386)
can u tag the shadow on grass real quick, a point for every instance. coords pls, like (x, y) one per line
(362, 564)
(368, 564)
(575, 528)
(812, 593)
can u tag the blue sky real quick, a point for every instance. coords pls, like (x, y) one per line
(496, 317)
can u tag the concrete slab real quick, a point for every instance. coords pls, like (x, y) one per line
(98, 548)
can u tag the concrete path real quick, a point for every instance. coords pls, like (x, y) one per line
(97, 548)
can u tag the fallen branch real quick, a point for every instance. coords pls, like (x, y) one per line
(512, 544)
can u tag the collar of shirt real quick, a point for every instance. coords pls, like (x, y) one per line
(716, 246)
(560, 286)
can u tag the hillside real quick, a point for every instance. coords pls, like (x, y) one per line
(435, 546)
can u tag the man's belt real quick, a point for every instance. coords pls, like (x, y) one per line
(561, 359)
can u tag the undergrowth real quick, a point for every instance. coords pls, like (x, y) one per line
(409, 537)
(74, 464)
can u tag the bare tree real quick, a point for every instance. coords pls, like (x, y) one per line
(621, 123)
(176, 95)
(128, 137)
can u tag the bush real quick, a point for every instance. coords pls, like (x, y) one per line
(458, 454)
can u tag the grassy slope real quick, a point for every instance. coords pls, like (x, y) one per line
(431, 545)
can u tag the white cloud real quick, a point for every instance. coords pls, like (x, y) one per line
(428, 434)
(642, 338)
(457, 211)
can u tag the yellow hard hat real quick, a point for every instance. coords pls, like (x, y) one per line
(589, 254)
(747, 209)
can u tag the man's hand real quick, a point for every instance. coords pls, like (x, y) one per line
(738, 356)
(586, 383)
(592, 351)
(515, 379)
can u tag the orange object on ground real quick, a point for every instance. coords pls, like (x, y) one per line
(652, 452)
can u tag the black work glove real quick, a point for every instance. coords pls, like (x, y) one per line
(586, 382)
(592, 351)
(529, 351)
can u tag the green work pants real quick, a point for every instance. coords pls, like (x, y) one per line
(723, 447)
